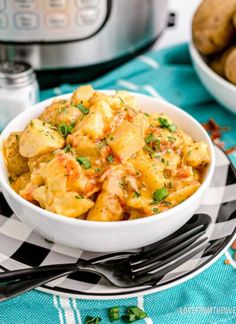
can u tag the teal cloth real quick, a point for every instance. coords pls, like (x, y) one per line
(209, 297)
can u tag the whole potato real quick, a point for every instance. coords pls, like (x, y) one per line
(212, 26)
(218, 62)
(234, 20)
(230, 67)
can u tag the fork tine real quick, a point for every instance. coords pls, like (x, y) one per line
(153, 277)
(160, 248)
(197, 222)
(157, 256)
(111, 257)
(158, 265)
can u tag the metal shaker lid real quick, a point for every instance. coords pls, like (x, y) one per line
(16, 74)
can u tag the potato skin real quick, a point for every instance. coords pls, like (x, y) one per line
(218, 63)
(212, 26)
(230, 66)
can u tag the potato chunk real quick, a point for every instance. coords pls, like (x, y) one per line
(107, 208)
(82, 95)
(16, 163)
(59, 112)
(69, 204)
(21, 182)
(39, 138)
(182, 194)
(126, 140)
(197, 155)
(83, 146)
(63, 173)
(152, 172)
(95, 123)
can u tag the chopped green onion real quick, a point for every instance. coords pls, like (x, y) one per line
(84, 161)
(133, 314)
(156, 210)
(146, 114)
(65, 129)
(129, 318)
(110, 158)
(62, 128)
(150, 138)
(136, 194)
(114, 313)
(82, 108)
(97, 170)
(92, 320)
(67, 148)
(139, 313)
(166, 124)
(70, 127)
(160, 194)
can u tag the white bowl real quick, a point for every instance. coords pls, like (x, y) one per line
(108, 236)
(222, 90)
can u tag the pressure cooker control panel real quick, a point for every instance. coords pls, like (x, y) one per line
(50, 20)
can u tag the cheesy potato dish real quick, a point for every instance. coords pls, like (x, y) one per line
(97, 157)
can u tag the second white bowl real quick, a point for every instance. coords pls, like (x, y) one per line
(222, 90)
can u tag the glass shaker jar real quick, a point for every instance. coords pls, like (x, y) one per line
(18, 90)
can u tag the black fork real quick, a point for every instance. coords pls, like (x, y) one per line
(121, 269)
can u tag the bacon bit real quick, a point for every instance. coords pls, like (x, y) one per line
(214, 131)
(230, 150)
(233, 246)
(184, 172)
(219, 143)
(211, 125)
(215, 134)
(227, 261)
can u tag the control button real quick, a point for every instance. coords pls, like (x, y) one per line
(86, 3)
(86, 17)
(52, 4)
(25, 4)
(56, 20)
(2, 5)
(3, 21)
(26, 20)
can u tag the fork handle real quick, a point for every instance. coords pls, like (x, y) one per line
(14, 283)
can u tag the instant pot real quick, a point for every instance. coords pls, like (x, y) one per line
(77, 39)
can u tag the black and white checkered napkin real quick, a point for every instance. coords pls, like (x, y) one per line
(20, 247)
